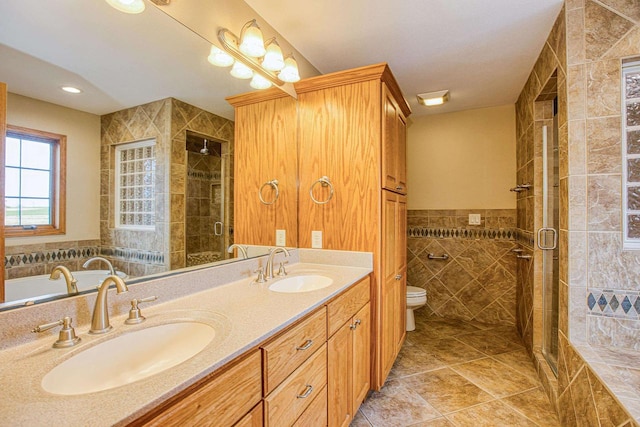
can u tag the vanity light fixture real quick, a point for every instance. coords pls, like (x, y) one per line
(127, 6)
(430, 99)
(71, 89)
(254, 59)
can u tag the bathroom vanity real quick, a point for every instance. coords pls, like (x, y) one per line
(277, 358)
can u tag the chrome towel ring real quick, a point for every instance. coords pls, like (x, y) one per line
(273, 183)
(324, 181)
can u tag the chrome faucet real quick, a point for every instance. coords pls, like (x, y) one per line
(241, 248)
(72, 287)
(100, 319)
(272, 253)
(112, 271)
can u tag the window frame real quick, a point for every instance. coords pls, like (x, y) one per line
(628, 67)
(58, 185)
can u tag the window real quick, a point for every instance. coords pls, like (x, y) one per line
(631, 153)
(135, 185)
(34, 182)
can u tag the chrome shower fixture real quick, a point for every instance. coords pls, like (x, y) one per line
(205, 150)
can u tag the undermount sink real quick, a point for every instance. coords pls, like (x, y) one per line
(128, 358)
(303, 283)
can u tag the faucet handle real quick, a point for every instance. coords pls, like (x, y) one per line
(135, 316)
(67, 336)
(281, 271)
(260, 278)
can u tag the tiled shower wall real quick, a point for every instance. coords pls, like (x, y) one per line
(142, 252)
(477, 280)
(586, 45)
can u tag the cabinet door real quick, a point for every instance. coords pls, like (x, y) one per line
(401, 157)
(389, 140)
(361, 356)
(389, 294)
(339, 381)
(265, 150)
(252, 419)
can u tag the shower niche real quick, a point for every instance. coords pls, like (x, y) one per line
(207, 233)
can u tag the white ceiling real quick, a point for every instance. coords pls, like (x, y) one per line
(481, 50)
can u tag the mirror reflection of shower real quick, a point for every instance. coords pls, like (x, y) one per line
(206, 235)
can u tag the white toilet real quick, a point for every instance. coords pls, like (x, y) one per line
(416, 298)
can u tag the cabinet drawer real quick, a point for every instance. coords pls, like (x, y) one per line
(345, 306)
(212, 404)
(316, 414)
(286, 352)
(289, 400)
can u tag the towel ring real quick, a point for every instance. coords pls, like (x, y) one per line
(324, 181)
(273, 183)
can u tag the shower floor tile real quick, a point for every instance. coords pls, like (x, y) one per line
(454, 374)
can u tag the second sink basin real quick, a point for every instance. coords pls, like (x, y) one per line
(304, 283)
(128, 358)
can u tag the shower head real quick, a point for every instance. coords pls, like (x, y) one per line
(205, 150)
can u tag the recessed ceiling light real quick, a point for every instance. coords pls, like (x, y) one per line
(127, 6)
(433, 98)
(71, 89)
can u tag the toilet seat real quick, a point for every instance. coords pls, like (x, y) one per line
(414, 291)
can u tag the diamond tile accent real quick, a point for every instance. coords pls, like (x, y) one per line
(591, 301)
(613, 303)
(602, 302)
(636, 305)
(626, 304)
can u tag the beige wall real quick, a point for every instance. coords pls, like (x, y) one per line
(83, 160)
(462, 160)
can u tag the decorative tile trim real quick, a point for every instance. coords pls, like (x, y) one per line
(525, 238)
(52, 255)
(462, 233)
(614, 303)
(134, 255)
(204, 176)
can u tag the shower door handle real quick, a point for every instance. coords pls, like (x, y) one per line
(545, 232)
(217, 228)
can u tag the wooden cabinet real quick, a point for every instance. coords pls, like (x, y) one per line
(265, 144)
(352, 130)
(210, 403)
(349, 354)
(394, 163)
(394, 269)
(252, 419)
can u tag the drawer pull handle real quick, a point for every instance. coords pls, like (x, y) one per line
(355, 324)
(305, 346)
(306, 393)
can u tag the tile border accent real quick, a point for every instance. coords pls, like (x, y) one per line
(462, 233)
(134, 255)
(617, 303)
(48, 255)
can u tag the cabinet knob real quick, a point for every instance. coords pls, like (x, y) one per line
(399, 187)
(398, 276)
(355, 324)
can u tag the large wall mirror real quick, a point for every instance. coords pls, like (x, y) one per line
(145, 175)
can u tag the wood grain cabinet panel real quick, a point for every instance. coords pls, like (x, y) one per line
(345, 306)
(212, 404)
(253, 418)
(316, 414)
(285, 353)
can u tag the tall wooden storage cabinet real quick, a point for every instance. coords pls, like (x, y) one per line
(352, 133)
(265, 150)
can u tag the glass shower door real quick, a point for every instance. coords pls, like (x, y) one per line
(548, 242)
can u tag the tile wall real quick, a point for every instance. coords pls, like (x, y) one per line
(143, 252)
(477, 280)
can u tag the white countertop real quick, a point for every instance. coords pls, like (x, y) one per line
(243, 313)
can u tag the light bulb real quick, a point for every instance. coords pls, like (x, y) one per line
(273, 60)
(241, 71)
(219, 58)
(252, 42)
(127, 6)
(259, 82)
(290, 72)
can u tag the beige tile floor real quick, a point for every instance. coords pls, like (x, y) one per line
(452, 373)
